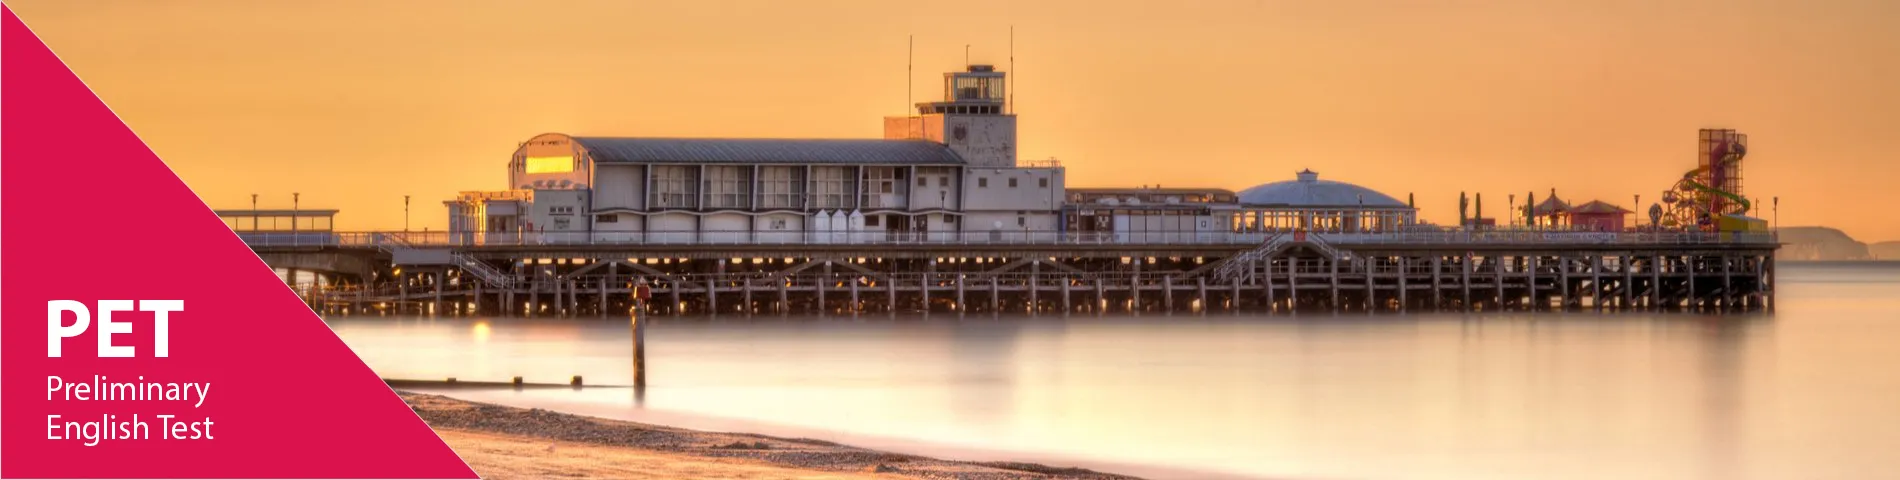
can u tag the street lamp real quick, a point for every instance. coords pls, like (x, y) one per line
(1636, 205)
(294, 199)
(405, 214)
(1510, 210)
(1777, 210)
(253, 212)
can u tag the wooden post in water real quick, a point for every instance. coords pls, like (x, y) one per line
(640, 296)
(602, 296)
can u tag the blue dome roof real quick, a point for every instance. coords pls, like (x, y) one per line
(1307, 190)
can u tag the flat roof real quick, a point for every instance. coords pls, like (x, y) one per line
(276, 213)
(768, 150)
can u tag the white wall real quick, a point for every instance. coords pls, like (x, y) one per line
(985, 140)
(670, 228)
(939, 188)
(1036, 188)
(619, 186)
(560, 211)
(779, 228)
(725, 228)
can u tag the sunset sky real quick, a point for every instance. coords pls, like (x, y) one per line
(355, 104)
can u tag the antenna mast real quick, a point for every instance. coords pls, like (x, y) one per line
(910, 55)
(1011, 86)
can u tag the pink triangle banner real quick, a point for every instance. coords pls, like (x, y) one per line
(142, 338)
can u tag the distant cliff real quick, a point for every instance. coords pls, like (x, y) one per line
(1822, 243)
(1885, 250)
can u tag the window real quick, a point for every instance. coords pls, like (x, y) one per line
(608, 218)
(778, 224)
(943, 181)
(1012, 183)
(674, 186)
(728, 187)
(561, 210)
(982, 182)
(1042, 182)
(1022, 222)
(831, 187)
(949, 219)
(780, 187)
(873, 220)
(923, 181)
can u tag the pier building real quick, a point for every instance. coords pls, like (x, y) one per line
(938, 215)
(947, 173)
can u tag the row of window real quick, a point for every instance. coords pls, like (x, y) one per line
(985, 182)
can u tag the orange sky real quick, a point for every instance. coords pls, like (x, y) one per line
(355, 104)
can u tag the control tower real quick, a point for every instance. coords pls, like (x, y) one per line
(973, 118)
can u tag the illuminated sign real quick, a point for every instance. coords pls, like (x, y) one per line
(550, 164)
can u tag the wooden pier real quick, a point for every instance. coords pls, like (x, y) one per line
(1279, 273)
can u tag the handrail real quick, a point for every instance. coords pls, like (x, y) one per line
(391, 240)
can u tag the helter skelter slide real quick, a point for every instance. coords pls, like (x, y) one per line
(1709, 198)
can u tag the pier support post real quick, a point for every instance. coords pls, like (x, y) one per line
(1371, 295)
(854, 296)
(1167, 293)
(1655, 281)
(890, 294)
(435, 307)
(1405, 270)
(1200, 283)
(996, 296)
(1438, 261)
(1728, 284)
(1769, 279)
(1694, 270)
(1266, 275)
(1629, 281)
(1066, 306)
(1530, 284)
(1134, 287)
(402, 287)
(1035, 284)
(1335, 279)
(784, 296)
(1563, 282)
(679, 307)
(1233, 299)
(961, 307)
(1101, 297)
(824, 283)
(745, 301)
(1497, 278)
(601, 296)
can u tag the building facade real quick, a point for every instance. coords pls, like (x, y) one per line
(947, 173)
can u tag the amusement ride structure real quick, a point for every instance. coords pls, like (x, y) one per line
(1709, 198)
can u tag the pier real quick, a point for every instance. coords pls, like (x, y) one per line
(1039, 273)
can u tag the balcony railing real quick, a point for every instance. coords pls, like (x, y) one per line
(388, 240)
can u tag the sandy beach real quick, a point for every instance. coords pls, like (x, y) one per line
(507, 442)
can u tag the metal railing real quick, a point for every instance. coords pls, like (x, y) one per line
(388, 240)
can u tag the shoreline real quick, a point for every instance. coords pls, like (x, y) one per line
(511, 442)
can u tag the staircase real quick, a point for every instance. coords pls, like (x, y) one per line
(488, 274)
(1236, 265)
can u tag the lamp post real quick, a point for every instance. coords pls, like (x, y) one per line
(405, 214)
(1635, 204)
(1510, 209)
(253, 212)
(1777, 210)
(294, 199)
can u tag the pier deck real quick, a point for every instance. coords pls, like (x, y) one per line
(1038, 273)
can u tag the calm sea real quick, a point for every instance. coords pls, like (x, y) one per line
(1811, 391)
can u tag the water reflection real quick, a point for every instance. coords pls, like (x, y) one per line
(1802, 394)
